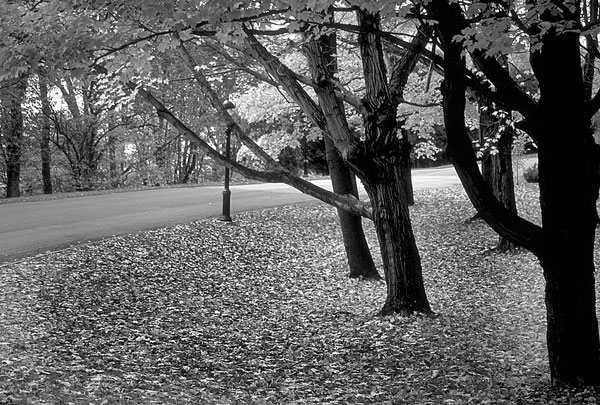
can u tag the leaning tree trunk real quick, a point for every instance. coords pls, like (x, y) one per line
(569, 180)
(358, 254)
(323, 64)
(12, 100)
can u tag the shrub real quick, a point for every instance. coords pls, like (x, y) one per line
(531, 174)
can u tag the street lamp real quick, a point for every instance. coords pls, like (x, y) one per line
(226, 211)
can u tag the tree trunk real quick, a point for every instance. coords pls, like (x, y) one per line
(405, 168)
(371, 159)
(358, 253)
(323, 64)
(496, 168)
(503, 183)
(46, 131)
(569, 163)
(569, 181)
(114, 173)
(12, 100)
(401, 259)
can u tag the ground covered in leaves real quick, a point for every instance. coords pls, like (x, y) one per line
(260, 311)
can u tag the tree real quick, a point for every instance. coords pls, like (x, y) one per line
(377, 160)
(46, 130)
(496, 138)
(11, 101)
(569, 167)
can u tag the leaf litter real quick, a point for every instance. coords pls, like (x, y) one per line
(260, 311)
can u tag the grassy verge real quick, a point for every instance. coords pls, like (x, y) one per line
(261, 312)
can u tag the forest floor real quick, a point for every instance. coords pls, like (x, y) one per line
(260, 311)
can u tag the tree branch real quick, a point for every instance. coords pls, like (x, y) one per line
(503, 221)
(345, 202)
(344, 143)
(218, 105)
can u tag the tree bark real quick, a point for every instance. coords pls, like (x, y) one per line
(401, 259)
(114, 174)
(12, 100)
(569, 181)
(503, 183)
(358, 254)
(382, 176)
(408, 194)
(497, 168)
(46, 130)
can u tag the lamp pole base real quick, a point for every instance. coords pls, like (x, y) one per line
(226, 212)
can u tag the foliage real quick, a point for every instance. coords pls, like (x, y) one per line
(214, 313)
(531, 174)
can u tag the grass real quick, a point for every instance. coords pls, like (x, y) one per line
(260, 311)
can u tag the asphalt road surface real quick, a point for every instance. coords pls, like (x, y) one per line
(31, 228)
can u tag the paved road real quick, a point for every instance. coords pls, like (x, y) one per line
(31, 228)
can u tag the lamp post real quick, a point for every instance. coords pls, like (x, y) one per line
(226, 211)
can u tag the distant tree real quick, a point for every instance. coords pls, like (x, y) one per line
(45, 129)
(496, 137)
(12, 95)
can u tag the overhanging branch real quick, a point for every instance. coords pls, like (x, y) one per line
(345, 202)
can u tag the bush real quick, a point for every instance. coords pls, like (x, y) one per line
(531, 174)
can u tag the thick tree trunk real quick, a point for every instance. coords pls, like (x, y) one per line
(569, 181)
(358, 253)
(12, 100)
(401, 260)
(382, 175)
(46, 131)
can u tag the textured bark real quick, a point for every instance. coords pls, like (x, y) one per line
(383, 179)
(12, 129)
(358, 254)
(503, 183)
(401, 260)
(323, 65)
(46, 130)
